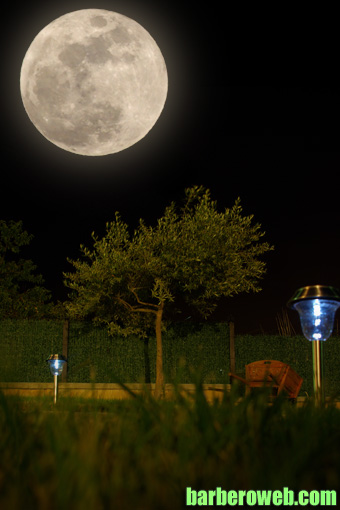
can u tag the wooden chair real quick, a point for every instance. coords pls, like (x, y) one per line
(278, 375)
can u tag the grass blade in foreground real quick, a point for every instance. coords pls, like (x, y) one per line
(143, 453)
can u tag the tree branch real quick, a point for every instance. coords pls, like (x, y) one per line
(132, 308)
(133, 290)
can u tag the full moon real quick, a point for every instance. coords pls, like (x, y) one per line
(93, 82)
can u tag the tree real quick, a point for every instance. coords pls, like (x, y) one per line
(195, 253)
(21, 292)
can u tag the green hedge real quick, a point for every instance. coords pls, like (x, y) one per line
(24, 348)
(94, 356)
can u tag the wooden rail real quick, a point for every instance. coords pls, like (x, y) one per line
(105, 390)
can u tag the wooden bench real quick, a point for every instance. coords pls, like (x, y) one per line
(278, 375)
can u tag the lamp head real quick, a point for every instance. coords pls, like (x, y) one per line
(56, 363)
(316, 305)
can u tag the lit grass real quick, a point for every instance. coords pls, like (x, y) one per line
(143, 453)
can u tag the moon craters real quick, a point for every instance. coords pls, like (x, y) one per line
(98, 21)
(93, 82)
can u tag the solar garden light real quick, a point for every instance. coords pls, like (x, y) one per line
(56, 363)
(316, 305)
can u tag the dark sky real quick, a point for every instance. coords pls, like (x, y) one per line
(253, 110)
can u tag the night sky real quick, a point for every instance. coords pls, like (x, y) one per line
(252, 111)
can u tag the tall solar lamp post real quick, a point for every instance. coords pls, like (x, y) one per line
(316, 305)
(56, 363)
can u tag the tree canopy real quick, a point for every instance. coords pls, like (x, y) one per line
(194, 252)
(22, 294)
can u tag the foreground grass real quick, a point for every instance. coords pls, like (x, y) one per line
(142, 453)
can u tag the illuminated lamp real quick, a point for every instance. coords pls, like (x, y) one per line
(316, 305)
(56, 363)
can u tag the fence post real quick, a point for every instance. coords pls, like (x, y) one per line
(146, 361)
(232, 346)
(65, 348)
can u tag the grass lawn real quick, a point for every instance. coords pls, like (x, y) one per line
(143, 453)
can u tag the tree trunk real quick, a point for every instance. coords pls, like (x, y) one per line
(159, 389)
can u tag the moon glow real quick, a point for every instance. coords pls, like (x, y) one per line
(93, 82)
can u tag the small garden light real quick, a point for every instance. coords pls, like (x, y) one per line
(316, 305)
(56, 363)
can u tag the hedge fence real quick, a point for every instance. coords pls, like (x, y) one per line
(93, 356)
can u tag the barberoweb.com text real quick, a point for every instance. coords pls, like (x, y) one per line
(284, 497)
